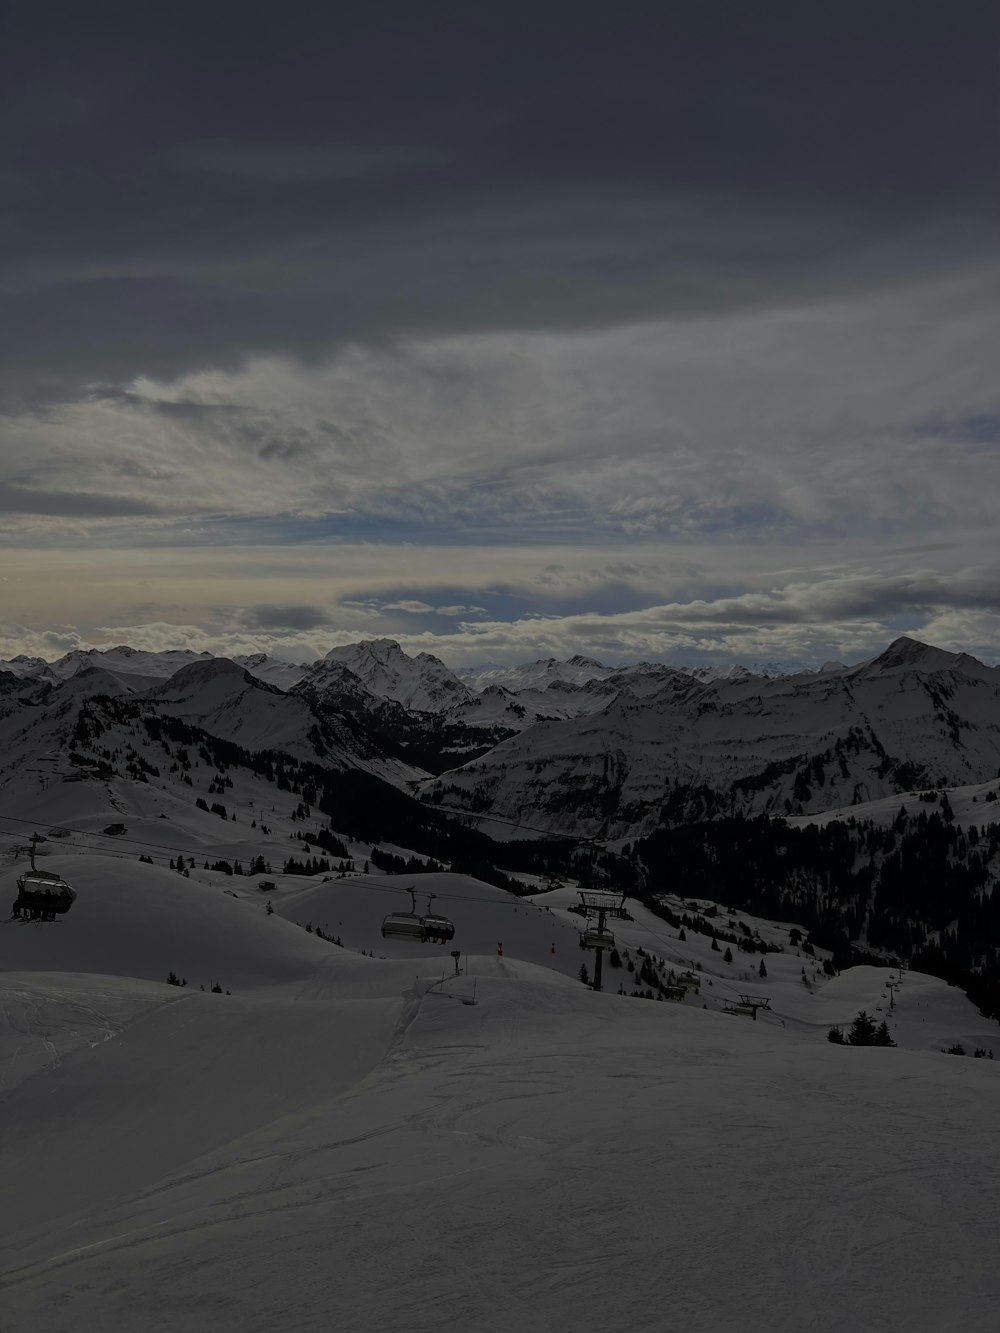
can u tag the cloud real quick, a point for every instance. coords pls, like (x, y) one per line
(411, 607)
(284, 617)
(284, 163)
(23, 500)
(772, 611)
(812, 421)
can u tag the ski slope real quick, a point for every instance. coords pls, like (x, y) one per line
(346, 1141)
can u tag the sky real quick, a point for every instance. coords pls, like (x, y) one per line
(657, 331)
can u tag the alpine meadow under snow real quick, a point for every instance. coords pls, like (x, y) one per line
(229, 1103)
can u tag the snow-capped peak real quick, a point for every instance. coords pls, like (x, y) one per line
(905, 653)
(422, 683)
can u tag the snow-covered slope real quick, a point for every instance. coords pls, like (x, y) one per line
(912, 716)
(283, 675)
(539, 674)
(346, 1141)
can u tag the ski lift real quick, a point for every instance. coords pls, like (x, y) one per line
(596, 937)
(429, 928)
(437, 929)
(41, 894)
(404, 925)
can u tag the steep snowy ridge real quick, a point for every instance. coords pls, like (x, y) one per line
(422, 683)
(133, 662)
(784, 745)
(230, 703)
(910, 655)
(541, 673)
(90, 727)
(284, 675)
(28, 666)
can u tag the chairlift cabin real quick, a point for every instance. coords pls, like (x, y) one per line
(41, 895)
(595, 937)
(404, 925)
(438, 929)
(430, 928)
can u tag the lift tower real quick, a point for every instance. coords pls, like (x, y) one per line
(601, 903)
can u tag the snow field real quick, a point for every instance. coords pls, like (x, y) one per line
(344, 1143)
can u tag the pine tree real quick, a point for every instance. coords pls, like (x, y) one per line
(862, 1031)
(727, 957)
(762, 970)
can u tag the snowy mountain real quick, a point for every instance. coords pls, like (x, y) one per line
(913, 716)
(134, 667)
(89, 728)
(539, 674)
(285, 675)
(422, 683)
(27, 666)
(576, 747)
(432, 740)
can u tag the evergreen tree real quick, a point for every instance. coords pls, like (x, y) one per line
(862, 1031)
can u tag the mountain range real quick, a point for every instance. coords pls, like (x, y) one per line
(571, 747)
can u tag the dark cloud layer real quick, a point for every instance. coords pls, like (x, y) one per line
(67, 504)
(731, 269)
(283, 617)
(185, 188)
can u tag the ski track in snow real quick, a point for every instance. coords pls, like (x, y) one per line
(344, 1142)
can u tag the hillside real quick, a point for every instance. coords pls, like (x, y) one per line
(177, 1158)
(912, 717)
(574, 747)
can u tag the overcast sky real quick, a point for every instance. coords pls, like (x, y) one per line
(659, 330)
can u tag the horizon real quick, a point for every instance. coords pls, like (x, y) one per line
(775, 668)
